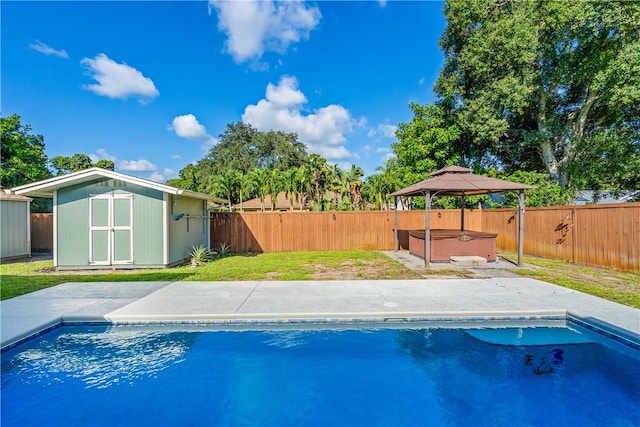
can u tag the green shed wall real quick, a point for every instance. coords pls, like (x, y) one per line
(72, 206)
(14, 229)
(190, 230)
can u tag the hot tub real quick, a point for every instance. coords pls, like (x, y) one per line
(448, 243)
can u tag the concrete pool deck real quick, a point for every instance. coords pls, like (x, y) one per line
(277, 301)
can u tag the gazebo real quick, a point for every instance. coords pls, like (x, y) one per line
(461, 182)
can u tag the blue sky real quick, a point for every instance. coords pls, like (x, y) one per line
(151, 85)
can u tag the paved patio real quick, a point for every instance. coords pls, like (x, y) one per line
(308, 300)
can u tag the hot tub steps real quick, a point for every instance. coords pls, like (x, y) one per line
(468, 261)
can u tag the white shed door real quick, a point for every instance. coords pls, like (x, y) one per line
(111, 229)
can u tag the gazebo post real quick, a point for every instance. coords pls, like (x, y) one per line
(462, 203)
(427, 229)
(395, 224)
(520, 227)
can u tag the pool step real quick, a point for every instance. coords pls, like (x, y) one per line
(529, 336)
(468, 261)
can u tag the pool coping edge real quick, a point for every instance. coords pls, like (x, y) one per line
(436, 319)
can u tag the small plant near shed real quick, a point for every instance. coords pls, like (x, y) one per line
(223, 250)
(200, 255)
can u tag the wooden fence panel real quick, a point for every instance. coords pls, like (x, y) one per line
(503, 222)
(599, 235)
(609, 236)
(318, 231)
(42, 232)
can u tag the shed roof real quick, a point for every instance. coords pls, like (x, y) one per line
(459, 181)
(8, 196)
(46, 188)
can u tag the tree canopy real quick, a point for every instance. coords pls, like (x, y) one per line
(78, 162)
(248, 163)
(536, 85)
(22, 158)
(243, 148)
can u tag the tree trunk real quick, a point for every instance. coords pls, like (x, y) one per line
(546, 147)
(574, 126)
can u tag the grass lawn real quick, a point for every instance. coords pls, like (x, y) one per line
(19, 278)
(623, 288)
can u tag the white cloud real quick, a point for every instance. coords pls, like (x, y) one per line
(422, 81)
(117, 80)
(137, 165)
(187, 126)
(387, 131)
(43, 48)
(286, 93)
(157, 177)
(176, 156)
(383, 130)
(257, 26)
(383, 150)
(104, 155)
(323, 130)
(168, 171)
(125, 165)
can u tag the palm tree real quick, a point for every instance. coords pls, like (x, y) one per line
(303, 184)
(319, 179)
(290, 184)
(274, 183)
(245, 187)
(336, 185)
(225, 183)
(381, 184)
(260, 179)
(354, 177)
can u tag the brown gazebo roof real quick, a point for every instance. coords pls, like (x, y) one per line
(459, 181)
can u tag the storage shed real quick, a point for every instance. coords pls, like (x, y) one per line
(105, 219)
(15, 226)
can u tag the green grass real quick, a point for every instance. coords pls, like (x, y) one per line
(19, 278)
(623, 288)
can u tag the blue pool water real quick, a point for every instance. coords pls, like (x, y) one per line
(118, 376)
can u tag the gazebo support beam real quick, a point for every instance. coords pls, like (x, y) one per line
(427, 229)
(395, 224)
(520, 227)
(462, 203)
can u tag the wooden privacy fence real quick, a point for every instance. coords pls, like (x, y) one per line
(598, 235)
(42, 232)
(318, 231)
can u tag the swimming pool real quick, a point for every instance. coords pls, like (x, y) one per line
(142, 376)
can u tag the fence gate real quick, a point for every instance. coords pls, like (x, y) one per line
(111, 229)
